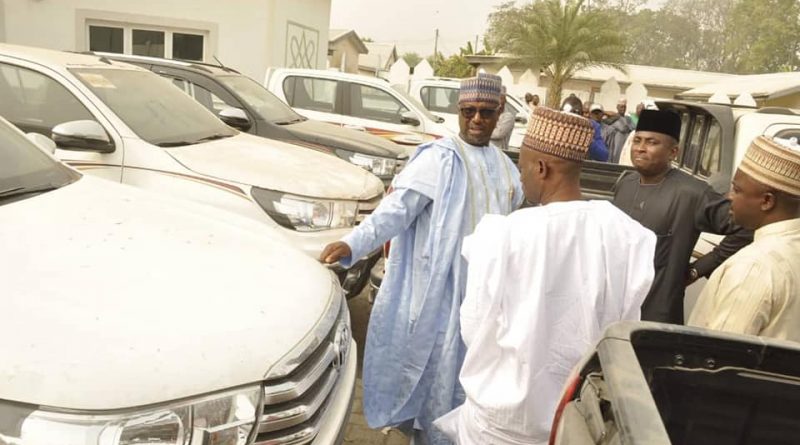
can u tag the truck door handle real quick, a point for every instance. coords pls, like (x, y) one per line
(355, 127)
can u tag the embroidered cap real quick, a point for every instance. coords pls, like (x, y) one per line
(565, 135)
(484, 88)
(490, 76)
(774, 164)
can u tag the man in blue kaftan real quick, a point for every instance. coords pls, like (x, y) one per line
(414, 351)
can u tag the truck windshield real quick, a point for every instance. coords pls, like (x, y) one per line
(155, 110)
(25, 170)
(264, 103)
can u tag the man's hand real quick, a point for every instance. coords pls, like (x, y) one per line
(333, 252)
(692, 276)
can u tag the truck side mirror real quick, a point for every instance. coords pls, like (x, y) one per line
(83, 135)
(236, 118)
(409, 118)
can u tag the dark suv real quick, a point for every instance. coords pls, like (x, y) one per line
(246, 105)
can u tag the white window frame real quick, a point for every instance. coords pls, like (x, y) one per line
(127, 35)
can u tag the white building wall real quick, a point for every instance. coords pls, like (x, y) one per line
(249, 35)
(300, 27)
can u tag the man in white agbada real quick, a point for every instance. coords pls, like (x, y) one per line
(414, 350)
(542, 285)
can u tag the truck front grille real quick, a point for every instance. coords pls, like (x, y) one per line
(295, 404)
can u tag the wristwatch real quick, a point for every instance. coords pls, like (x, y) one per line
(693, 274)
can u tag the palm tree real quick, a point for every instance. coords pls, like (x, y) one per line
(563, 36)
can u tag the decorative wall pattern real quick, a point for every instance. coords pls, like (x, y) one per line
(302, 45)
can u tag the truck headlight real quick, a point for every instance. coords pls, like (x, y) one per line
(306, 214)
(228, 418)
(378, 166)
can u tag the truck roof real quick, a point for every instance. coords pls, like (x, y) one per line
(59, 59)
(327, 74)
(759, 86)
(207, 68)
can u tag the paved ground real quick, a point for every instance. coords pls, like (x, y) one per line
(357, 430)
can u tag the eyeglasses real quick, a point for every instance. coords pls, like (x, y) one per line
(486, 113)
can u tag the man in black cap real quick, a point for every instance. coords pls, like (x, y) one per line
(677, 207)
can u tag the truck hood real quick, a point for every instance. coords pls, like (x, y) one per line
(278, 166)
(114, 298)
(332, 136)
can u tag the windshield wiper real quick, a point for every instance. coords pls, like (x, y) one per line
(291, 121)
(20, 191)
(174, 143)
(213, 137)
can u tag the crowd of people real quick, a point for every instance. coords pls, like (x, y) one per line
(613, 129)
(486, 307)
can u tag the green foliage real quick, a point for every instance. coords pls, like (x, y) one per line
(487, 49)
(764, 36)
(736, 36)
(412, 59)
(560, 36)
(453, 66)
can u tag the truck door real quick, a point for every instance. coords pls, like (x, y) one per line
(315, 98)
(379, 112)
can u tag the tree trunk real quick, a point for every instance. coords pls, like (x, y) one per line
(554, 92)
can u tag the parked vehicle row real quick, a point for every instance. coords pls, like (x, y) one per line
(362, 103)
(132, 317)
(440, 97)
(247, 106)
(126, 124)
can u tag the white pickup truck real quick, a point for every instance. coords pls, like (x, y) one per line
(126, 124)
(357, 102)
(659, 384)
(131, 318)
(440, 97)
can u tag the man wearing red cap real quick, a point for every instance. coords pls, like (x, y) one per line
(677, 207)
(757, 291)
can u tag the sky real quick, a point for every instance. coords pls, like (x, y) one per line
(411, 24)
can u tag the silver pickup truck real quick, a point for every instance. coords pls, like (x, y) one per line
(657, 384)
